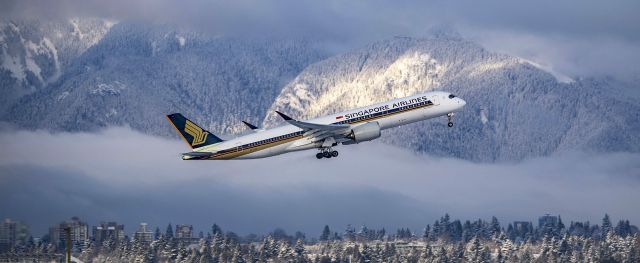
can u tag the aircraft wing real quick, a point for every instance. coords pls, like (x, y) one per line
(335, 128)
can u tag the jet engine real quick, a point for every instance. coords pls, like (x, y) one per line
(365, 132)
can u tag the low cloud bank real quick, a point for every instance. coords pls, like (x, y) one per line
(130, 177)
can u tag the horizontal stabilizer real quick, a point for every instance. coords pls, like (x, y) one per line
(196, 155)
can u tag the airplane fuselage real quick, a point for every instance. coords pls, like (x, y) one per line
(289, 138)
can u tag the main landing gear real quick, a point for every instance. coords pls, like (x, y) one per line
(326, 153)
(450, 117)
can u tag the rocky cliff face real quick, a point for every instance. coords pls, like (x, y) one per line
(34, 54)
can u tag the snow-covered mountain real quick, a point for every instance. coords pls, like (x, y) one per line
(514, 109)
(34, 53)
(137, 73)
(83, 75)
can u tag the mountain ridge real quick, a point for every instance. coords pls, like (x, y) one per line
(137, 73)
(515, 110)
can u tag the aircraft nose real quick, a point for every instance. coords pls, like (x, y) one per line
(461, 102)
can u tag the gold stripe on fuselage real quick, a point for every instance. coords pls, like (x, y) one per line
(239, 152)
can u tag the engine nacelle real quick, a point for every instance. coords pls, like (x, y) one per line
(365, 132)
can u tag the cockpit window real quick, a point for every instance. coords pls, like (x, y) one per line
(451, 96)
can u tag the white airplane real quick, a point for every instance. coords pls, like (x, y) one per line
(348, 127)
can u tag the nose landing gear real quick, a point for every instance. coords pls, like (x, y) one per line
(326, 153)
(450, 118)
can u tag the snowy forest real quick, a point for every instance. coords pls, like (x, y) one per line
(445, 240)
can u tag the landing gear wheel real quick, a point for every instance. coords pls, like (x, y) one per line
(450, 124)
(450, 118)
(334, 153)
(326, 154)
(319, 155)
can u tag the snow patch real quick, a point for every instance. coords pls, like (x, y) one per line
(481, 68)
(154, 48)
(31, 65)
(181, 40)
(62, 96)
(56, 62)
(14, 65)
(108, 23)
(483, 116)
(76, 29)
(409, 74)
(108, 89)
(111, 113)
(548, 68)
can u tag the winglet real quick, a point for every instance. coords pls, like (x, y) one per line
(284, 116)
(251, 126)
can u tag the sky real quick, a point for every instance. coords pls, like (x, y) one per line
(573, 37)
(129, 177)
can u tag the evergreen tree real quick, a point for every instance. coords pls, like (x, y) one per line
(350, 233)
(425, 233)
(183, 254)
(436, 231)
(365, 254)
(169, 232)
(560, 228)
(526, 256)
(473, 252)
(299, 248)
(326, 232)
(546, 248)
(425, 256)
(606, 225)
(494, 227)
(237, 255)
(381, 234)
(205, 253)
(157, 234)
(441, 256)
(215, 229)
(285, 252)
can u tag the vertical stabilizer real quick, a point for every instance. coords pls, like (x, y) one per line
(193, 134)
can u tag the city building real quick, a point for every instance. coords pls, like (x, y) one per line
(7, 235)
(13, 233)
(547, 220)
(143, 235)
(184, 231)
(522, 227)
(105, 231)
(79, 233)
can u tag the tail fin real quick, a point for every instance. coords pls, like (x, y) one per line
(195, 136)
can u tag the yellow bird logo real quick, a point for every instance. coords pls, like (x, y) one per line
(199, 136)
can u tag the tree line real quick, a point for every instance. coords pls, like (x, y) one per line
(445, 240)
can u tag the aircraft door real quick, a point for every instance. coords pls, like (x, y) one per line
(435, 99)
